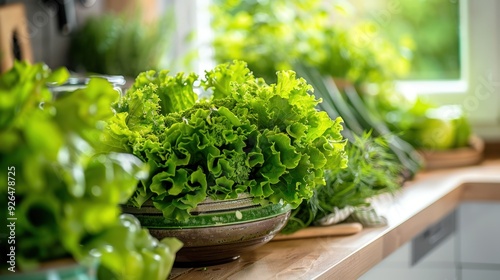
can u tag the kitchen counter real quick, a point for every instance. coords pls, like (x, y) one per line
(420, 203)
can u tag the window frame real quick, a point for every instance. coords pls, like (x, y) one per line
(478, 89)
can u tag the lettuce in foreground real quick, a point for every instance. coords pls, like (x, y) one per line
(64, 194)
(247, 136)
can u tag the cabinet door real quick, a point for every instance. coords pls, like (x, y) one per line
(438, 264)
(479, 233)
(480, 274)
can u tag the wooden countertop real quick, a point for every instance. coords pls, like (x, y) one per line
(419, 204)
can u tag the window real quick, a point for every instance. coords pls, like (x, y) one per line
(478, 89)
(466, 68)
(474, 84)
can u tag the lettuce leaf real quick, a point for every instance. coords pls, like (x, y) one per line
(176, 93)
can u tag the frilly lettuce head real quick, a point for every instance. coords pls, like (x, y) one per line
(246, 137)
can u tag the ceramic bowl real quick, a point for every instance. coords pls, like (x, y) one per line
(218, 231)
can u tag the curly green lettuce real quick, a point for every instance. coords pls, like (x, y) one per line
(266, 140)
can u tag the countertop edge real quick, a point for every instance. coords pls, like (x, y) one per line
(419, 204)
(476, 183)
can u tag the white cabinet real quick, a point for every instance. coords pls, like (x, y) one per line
(431, 255)
(479, 240)
(471, 253)
(438, 264)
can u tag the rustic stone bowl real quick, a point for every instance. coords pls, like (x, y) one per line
(219, 230)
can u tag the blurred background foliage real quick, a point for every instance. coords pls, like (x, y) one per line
(122, 44)
(268, 35)
(364, 46)
(357, 40)
(367, 44)
(426, 31)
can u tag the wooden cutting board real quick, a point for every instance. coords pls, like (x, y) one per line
(317, 231)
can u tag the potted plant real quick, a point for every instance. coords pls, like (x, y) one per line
(62, 197)
(120, 44)
(242, 140)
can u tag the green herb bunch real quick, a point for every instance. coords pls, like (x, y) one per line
(248, 136)
(65, 195)
(376, 171)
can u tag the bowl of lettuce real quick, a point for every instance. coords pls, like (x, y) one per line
(226, 137)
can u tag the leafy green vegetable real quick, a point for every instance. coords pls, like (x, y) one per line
(176, 93)
(127, 251)
(29, 85)
(267, 140)
(376, 171)
(66, 194)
